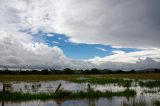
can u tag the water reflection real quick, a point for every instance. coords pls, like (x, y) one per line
(45, 87)
(145, 96)
(114, 101)
(3, 103)
(50, 86)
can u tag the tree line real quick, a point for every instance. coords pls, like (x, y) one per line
(71, 71)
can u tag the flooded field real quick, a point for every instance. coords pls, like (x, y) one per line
(114, 101)
(146, 93)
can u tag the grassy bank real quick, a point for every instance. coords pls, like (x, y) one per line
(143, 76)
(138, 76)
(119, 81)
(4, 78)
(63, 94)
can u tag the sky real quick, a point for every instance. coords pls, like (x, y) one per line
(80, 34)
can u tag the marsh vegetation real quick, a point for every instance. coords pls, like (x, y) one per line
(74, 90)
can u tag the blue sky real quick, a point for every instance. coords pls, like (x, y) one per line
(78, 51)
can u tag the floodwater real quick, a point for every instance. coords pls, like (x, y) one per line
(143, 97)
(114, 101)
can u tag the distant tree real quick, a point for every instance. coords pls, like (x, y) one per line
(68, 71)
(94, 71)
(54, 71)
(85, 71)
(156, 70)
(132, 71)
(45, 71)
(106, 71)
(120, 71)
(6, 68)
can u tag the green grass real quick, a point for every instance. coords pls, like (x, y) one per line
(149, 84)
(137, 76)
(151, 91)
(63, 94)
(4, 78)
(95, 80)
(157, 103)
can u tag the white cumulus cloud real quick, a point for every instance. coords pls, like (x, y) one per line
(127, 23)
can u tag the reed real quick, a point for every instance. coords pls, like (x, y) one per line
(149, 84)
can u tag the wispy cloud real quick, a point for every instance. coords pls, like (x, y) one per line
(55, 42)
(102, 49)
(60, 38)
(50, 35)
(118, 51)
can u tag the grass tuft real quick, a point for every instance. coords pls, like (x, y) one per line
(94, 80)
(157, 103)
(63, 94)
(149, 84)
